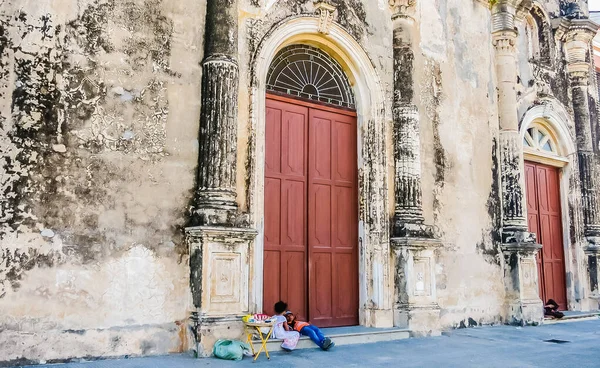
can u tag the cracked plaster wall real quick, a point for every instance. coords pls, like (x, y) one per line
(99, 107)
(459, 131)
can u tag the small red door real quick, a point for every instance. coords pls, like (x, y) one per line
(311, 212)
(545, 220)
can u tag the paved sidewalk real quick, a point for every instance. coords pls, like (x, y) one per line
(575, 344)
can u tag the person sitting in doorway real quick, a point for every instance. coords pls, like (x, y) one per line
(309, 330)
(551, 310)
(281, 330)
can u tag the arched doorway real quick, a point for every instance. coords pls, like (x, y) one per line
(311, 188)
(543, 170)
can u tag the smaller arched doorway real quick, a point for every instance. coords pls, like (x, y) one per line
(311, 188)
(544, 161)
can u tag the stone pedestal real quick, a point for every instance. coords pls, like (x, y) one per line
(416, 305)
(592, 253)
(220, 279)
(521, 282)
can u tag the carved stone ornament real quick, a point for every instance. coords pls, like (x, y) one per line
(401, 7)
(326, 12)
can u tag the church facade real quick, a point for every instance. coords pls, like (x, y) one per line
(170, 166)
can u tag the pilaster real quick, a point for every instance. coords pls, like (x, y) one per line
(576, 34)
(220, 240)
(518, 244)
(413, 241)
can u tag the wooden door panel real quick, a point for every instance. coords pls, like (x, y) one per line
(273, 211)
(320, 216)
(285, 246)
(273, 141)
(344, 199)
(333, 214)
(293, 218)
(321, 308)
(273, 279)
(533, 218)
(295, 268)
(345, 144)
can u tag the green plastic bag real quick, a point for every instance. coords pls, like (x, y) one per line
(230, 349)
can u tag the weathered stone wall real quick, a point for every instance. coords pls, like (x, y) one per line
(99, 107)
(458, 105)
(99, 117)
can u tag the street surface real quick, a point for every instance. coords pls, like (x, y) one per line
(572, 345)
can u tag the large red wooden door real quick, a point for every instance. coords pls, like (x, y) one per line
(544, 218)
(311, 212)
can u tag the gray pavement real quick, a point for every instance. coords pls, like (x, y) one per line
(574, 344)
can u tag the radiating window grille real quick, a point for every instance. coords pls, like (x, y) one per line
(307, 72)
(540, 139)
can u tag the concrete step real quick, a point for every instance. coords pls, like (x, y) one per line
(345, 336)
(573, 316)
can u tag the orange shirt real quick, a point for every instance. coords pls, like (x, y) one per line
(298, 325)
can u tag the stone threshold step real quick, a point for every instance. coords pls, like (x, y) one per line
(573, 317)
(345, 336)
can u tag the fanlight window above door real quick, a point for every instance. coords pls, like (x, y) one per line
(539, 139)
(308, 72)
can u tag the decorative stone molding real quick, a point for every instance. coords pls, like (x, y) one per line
(402, 7)
(504, 42)
(326, 12)
(415, 304)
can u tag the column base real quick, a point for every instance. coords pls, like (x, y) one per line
(207, 330)
(220, 274)
(413, 229)
(416, 305)
(592, 252)
(524, 306)
(377, 318)
(218, 207)
(420, 320)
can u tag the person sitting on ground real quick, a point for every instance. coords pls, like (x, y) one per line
(309, 330)
(281, 330)
(551, 310)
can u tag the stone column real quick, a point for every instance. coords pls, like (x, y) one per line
(577, 35)
(216, 194)
(519, 245)
(413, 241)
(219, 241)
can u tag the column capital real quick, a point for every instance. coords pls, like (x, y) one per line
(582, 30)
(577, 35)
(504, 41)
(402, 7)
(505, 12)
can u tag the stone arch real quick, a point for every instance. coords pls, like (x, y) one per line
(555, 116)
(374, 281)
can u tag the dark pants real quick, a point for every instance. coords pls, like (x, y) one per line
(314, 334)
